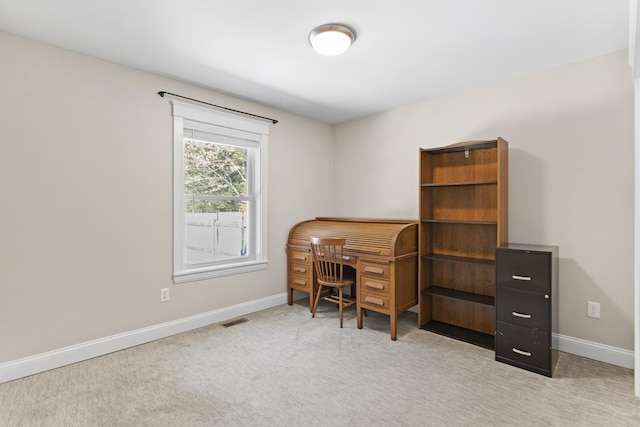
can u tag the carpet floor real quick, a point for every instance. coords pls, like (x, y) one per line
(280, 367)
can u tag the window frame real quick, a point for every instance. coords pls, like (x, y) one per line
(235, 126)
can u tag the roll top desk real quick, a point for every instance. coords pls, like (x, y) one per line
(384, 254)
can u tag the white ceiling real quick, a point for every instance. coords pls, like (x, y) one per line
(405, 50)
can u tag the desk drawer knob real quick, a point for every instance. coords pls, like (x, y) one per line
(372, 300)
(299, 269)
(300, 257)
(521, 315)
(300, 282)
(524, 278)
(521, 352)
(376, 270)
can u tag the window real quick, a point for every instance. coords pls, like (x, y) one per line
(220, 200)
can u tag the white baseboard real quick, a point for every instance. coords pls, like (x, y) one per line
(20, 368)
(593, 350)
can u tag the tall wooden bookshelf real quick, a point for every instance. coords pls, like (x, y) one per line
(463, 218)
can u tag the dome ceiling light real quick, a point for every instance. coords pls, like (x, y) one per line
(331, 39)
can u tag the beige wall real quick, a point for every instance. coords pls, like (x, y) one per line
(85, 176)
(571, 177)
(86, 216)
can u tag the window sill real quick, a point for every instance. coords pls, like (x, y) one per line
(213, 272)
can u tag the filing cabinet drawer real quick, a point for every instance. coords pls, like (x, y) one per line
(374, 285)
(524, 308)
(372, 269)
(524, 270)
(525, 346)
(376, 302)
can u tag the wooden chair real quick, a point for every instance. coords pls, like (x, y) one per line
(327, 261)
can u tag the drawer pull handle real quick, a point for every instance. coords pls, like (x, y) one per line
(376, 270)
(300, 282)
(521, 315)
(372, 300)
(299, 269)
(300, 256)
(346, 257)
(525, 278)
(522, 353)
(374, 285)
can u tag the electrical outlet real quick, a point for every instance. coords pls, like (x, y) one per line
(593, 309)
(164, 294)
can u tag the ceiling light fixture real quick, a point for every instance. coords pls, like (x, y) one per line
(331, 39)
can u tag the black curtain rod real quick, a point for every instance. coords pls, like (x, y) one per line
(162, 94)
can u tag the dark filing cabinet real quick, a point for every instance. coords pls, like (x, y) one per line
(526, 306)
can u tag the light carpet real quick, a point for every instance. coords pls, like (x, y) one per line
(280, 367)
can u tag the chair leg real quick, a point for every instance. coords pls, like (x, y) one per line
(340, 293)
(315, 303)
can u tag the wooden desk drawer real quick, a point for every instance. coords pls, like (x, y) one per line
(523, 345)
(523, 270)
(300, 256)
(300, 282)
(350, 260)
(301, 269)
(524, 308)
(374, 285)
(374, 301)
(371, 269)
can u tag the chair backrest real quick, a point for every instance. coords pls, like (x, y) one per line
(327, 258)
